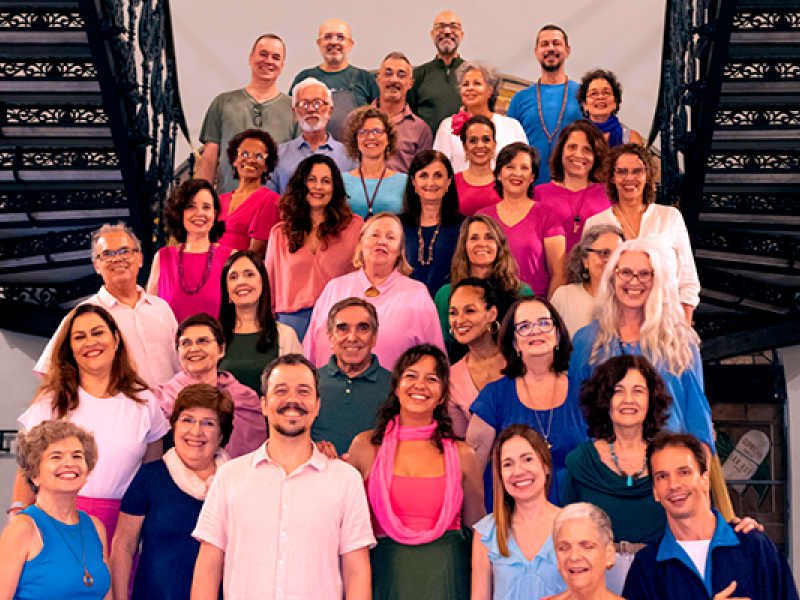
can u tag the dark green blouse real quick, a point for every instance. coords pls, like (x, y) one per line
(244, 362)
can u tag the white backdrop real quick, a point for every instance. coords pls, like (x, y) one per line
(213, 39)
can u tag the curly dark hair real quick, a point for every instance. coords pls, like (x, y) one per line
(296, 211)
(509, 153)
(391, 408)
(597, 392)
(594, 75)
(179, 201)
(412, 206)
(514, 365)
(261, 136)
(356, 121)
(651, 167)
(477, 120)
(600, 149)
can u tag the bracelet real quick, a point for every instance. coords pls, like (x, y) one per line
(16, 505)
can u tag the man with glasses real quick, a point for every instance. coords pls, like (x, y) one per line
(258, 106)
(395, 79)
(551, 104)
(350, 86)
(312, 103)
(435, 95)
(146, 321)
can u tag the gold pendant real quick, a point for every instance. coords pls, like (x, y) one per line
(372, 292)
(87, 580)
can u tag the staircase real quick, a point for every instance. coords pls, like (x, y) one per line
(729, 115)
(89, 111)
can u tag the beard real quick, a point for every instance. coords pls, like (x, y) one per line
(447, 45)
(307, 127)
(290, 433)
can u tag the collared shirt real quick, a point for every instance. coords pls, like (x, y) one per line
(413, 136)
(283, 534)
(435, 95)
(349, 405)
(149, 331)
(292, 153)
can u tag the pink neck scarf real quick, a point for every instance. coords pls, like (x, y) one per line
(380, 480)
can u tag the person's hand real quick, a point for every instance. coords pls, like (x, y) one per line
(726, 593)
(328, 449)
(746, 525)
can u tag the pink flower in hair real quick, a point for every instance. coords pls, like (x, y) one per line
(459, 120)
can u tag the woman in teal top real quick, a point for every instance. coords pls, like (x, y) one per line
(51, 550)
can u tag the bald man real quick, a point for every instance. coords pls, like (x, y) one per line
(351, 87)
(435, 96)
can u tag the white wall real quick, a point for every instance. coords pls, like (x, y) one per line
(213, 39)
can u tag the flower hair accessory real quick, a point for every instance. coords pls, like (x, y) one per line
(459, 120)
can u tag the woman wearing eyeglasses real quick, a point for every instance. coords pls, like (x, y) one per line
(585, 265)
(536, 346)
(251, 210)
(600, 95)
(632, 179)
(370, 137)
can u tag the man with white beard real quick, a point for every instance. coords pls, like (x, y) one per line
(312, 103)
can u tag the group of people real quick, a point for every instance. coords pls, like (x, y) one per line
(381, 363)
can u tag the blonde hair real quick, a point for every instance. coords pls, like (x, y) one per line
(401, 264)
(665, 338)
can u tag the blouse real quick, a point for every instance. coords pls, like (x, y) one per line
(389, 197)
(574, 208)
(253, 218)
(472, 198)
(508, 131)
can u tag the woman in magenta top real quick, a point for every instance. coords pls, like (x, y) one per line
(422, 485)
(314, 242)
(251, 210)
(475, 185)
(186, 276)
(576, 190)
(535, 234)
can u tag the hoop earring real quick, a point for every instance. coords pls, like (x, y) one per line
(494, 326)
(451, 332)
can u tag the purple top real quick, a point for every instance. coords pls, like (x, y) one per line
(253, 218)
(526, 240)
(567, 204)
(473, 198)
(207, 299)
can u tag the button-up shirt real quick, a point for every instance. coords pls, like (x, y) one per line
(292, 153)
(283, 534)
(413, 136)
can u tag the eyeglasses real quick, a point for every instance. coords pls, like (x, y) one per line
(201, 342)
(374, 132)
(627, 275)
(315, 104)
(257, 121)
(528, 328)
(339, 37)
(599, 93)
(443, 26)
(188, 422)
(257, 156)
(124, 254)
(602, 253)
(622, 173)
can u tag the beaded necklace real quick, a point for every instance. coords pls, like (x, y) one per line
(182, 278)
(549, 135)
(630, 476)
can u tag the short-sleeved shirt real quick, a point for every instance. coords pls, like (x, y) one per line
(568, 205)
(526, 240)
(293, 152)
(389, 197)
(435, 95)
(413, 136)
(349, 405)
(253, 219)
(233, 112)
(283, 534)
(472, 198)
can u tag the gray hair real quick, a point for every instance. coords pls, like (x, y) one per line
(396, 55)
(584, 510)
(347, 303)
(304, 84)
(576, 270)
(119, 227)
(490, 75)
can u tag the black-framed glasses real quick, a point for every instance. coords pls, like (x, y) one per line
(374, 132)
(251, 155)
(443, 26)
(315, 104)
(622, 173)
(125, 254)
(627, 275)
(602, 253)
(600, 93)
(257, 120)
(528, 328)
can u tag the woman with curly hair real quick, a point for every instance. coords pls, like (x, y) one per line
(251, 210)
(423, 485)
(370, 138)
(600, 95)
(314, 242)
(186, 275)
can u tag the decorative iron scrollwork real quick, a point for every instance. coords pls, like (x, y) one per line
(38, 68)
(40, 19)
(762, 69)
(753, 203)
(743, 117)
(66, 115)
(774, 19)
(70, 158)
(752, 162)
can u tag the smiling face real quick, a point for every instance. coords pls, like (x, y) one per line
(475, 91)
(381, 244)
(629, 177)
(600, 102)
(470, 318)
(630, 400)
(373, 145)
(197, 435)
(335, 42)
(633, 294)
(578, 156)
(244, 283)
(678, 484)
(199, 352)
(551, 50)
(250, 168)
(117, 272)
(431, 184)
(517, 176)
(447, 33)
(353, 338)
(481, 245)
(394, 80)
(266, 60)
(480, 145)
(582, 554)
(291, 403)
(92, 343)
(310, 118)
(63, 467)
(419, 391)
(594, 262)
(537, 344)
(320, 187)
(523, 474)
(199, 215)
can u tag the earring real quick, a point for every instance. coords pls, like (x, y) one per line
(451, 332)
(494, 326)
(609, 566)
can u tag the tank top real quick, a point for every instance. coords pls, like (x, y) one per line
(417, 502)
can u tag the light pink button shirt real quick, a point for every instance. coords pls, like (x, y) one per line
(283, 534)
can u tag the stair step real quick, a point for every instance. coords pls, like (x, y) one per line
(39, 208)
(54, 51)
(53, 135)
(768, 37)
(784, 143)
(761, 118)
(43, 250)
(766, 5)
(47, 4)
(54, 91)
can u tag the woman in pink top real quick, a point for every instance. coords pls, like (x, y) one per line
(187, 276)
(251, 210)
(313, 244)
(535, 234)
(577, 189)
(422, 485)
(475, 185)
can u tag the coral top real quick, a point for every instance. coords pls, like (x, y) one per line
(417, 502)
(253, 218)
(472, 198)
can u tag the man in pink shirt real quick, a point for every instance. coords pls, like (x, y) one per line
(285, 521)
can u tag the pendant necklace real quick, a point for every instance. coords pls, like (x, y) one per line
(370, 200)
(546, 436)
(576, 222)
(88, 580)
(624, 222)
(549, 135)
(630, 476)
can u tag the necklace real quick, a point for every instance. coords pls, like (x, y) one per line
(546, 436)
(182, 278)
(576, 222)
(370, 200)
(421, 254)
(624, 222)
(88, 580)
(549, 135)
(372, 292)
(630, 476)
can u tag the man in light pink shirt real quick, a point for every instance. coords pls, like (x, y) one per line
(285, 522)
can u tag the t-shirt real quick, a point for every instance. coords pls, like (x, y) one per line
(472, 198)
(568, 205)
(365, 89)
(389, 197)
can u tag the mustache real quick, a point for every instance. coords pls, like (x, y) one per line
(292, 406)
(395, 86)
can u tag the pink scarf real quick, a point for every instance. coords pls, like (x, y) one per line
(380, 480)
